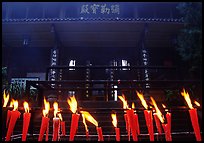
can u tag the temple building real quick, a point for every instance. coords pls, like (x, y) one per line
(93, 50)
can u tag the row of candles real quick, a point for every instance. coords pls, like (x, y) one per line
(130, 116)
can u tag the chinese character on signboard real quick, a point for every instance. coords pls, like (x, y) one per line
(100, 9)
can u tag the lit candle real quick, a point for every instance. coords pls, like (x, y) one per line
(125, 106)
(75, 117)
(45, 121)
(136, 119)
(89, 118)
(14, 115)
(132, 123)
(117, 130)
(9, 112)
(56, 123)
(148, 116)
(86, 127)
(4, 115)
(100, 134)
(26, 120)
(161, 118)
(193, 115)
(62, 125)
(158, 125)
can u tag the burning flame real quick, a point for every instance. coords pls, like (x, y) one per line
(60, 116)
(84, 121)
(55, 106)
(89, 118)
(122, 98)
(47, 107)
(140, 95)
(158, 112)
(72, 103)
(6, 99)
(187, 98)
(11, 103)
(133, 105)
(15, 104)
(196, 103)
(114, 120)
(26, 106)
(163, 106)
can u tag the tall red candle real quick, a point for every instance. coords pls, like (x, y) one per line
(137, 124)
(44, 127)
(47, 132)
(56, 125)
(168, 118)
(45, 122)
(149, 123)
(193, 115)
(127, 126)
(63, 128)
(117, 131)
(8, 117)
(26, 121)
(14, 115)
(167, 132)
(74, 126)
(158, 125)
(100, 134)
(194, 121)
(132, 123)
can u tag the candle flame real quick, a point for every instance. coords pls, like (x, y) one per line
(47, 107)
(122, 98)
(26, 106)
(196, 103)
(140, 95)
(11, 103)
(89, 118)
(6, 99)
(187, 98)
(55, 106)
(114, 120)
(72, 103)
(15, 104)
(158, 112)
(60, 116)
(84, 121)
(133, 105)
(163, 106)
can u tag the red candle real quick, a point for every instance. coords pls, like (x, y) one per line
(45, 121)
(132, 123)
(44, 127)
(149, 123)
(137, 124)
(74, 126)
(194, 121)
(158, 125)
(87, 134)
(8, 117)
(47, 132)
(168, 118)
(193, 115)
(56, 125)
(63, 128)
(127, 126)
(100, 134)
(14, 115)
(117, 131)
(167, 132)
(26, 120)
